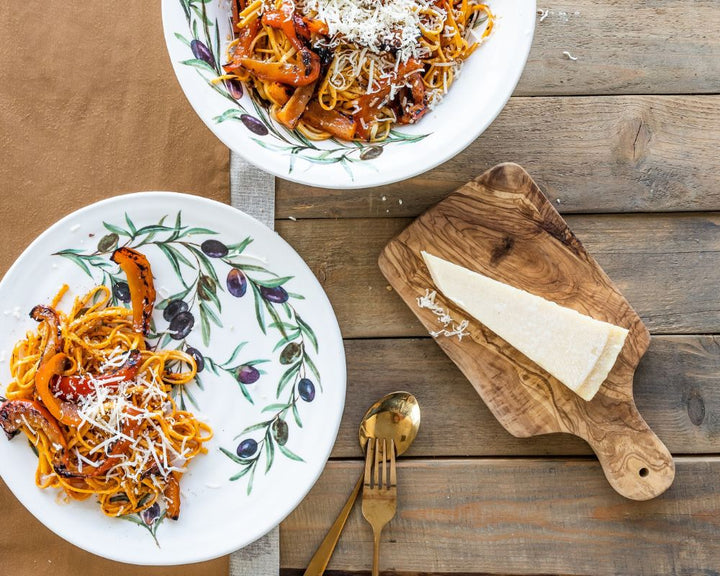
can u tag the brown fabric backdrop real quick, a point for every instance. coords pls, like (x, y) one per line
(89, 108)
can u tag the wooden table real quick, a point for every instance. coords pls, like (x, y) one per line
(625, 141)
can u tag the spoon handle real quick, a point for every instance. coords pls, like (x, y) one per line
(322, 555)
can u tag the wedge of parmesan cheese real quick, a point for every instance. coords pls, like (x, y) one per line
(578, 350)
(616, 340)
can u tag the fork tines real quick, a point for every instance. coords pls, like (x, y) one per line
(376, 463)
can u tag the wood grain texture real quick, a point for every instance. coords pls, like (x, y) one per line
(666, 265)
(594, 154)
(677, 390)
(518, 516)
(502, 226)
(652, 47)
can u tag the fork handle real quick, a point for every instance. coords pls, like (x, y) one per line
(376, 551)
(322, 555)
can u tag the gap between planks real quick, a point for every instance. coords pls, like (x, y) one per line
(676, 389)
(610, 154)
(666, 265)
(524, 516)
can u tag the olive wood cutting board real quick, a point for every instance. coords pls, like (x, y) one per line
(501, 225)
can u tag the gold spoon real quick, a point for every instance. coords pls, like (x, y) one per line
(395, 416)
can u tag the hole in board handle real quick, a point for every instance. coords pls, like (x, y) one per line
(643, 472)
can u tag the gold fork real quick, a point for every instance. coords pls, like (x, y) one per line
(379, 501)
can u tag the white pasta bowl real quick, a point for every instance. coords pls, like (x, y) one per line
(197, 33)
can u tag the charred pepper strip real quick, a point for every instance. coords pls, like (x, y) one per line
(140, 281)
(80, 385)
(64, 412)
(53, 345)
(287, 73)
(172, 495)
(302, 73)
(290, 113)
(329, 120)
(14, 414)
(413, 112)
(282, 19)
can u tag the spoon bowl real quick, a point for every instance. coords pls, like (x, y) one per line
(396, 416)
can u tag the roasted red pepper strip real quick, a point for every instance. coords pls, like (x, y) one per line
(172, 496)
(130, 428)
(246, 37)
(140, 281)
(65, 412)
(14, 414)
(80, 385)
(301, 73)
(413, 112)
(236, 13)
(290, 113)
(329, 120)
(46, 314)
(369, 105)
(285, 72)
(283, 19)
(312, 26)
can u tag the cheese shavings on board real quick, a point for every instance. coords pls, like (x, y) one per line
(578, 350)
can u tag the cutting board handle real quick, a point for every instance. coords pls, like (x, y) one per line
(636, 463)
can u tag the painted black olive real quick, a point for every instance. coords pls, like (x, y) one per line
(247, 448)
(235, 88)
(150, 515)
(236, 283)
(290, 353)
(214, 248)
(254, 125)
(198, 357)
(202, 52)
(306, 389)
(181, 325)
(276, 295)
(108, 243)
(174, 308)
(371, 152)
(121, 291)
(206, 288)
(248, 374)
(280, 431)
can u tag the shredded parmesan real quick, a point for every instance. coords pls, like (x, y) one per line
(379, 26)
(450, 328)
(108, 409)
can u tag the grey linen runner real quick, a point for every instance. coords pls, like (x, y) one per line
(253, 192)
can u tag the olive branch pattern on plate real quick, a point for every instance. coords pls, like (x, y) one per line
(205, 47)
(199, 261)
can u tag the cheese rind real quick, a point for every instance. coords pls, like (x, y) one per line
(577, 349)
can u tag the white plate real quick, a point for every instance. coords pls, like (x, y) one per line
(218, 515)
(488, 79)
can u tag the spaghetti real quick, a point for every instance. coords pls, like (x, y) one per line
(352, 69)
(94, 400)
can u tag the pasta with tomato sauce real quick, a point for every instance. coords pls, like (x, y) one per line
(353, 69)
(94, 400)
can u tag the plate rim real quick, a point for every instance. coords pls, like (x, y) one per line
(333, 426)
(371, 179)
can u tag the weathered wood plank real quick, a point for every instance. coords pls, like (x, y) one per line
(677, 390)
(667, 266)
(594, 154)
(649, 47)
(518, 516)
(301, 572)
